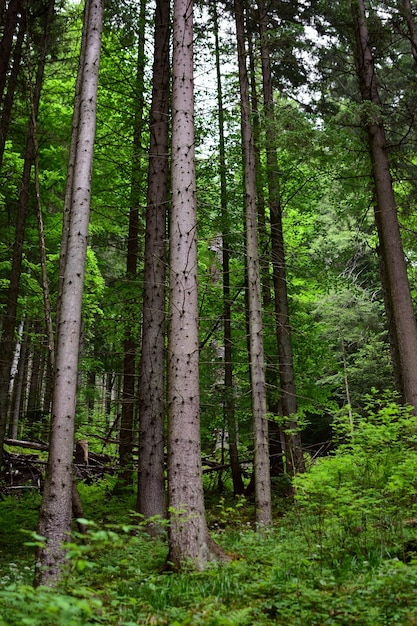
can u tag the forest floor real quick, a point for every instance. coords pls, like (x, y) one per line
(297, 573)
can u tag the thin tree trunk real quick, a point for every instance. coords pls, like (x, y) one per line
(386, 217)
(15, 412)
(189, 540)
(42, 248)
(151, 499)
(260, 424)
(55, 513)
(263, 237)
(33, 411)
(229, 404)
(129, 343)
(294, 453)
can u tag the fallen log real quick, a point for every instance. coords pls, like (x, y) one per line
(32, 445)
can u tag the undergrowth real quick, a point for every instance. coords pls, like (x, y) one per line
(344, 553)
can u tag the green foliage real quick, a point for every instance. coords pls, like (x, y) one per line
(357, 502)
(24, 605)
(292, 575)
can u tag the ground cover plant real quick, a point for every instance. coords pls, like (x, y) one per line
(344, 551)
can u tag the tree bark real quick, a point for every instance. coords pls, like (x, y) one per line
(256, 350)
(386, 217)
(16, 405)
(55, 513)
(293, 454)
(129, 343)
(151, 498)
(188, 534)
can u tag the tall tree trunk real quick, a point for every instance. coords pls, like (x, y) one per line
(263, 236)
(151, 499)
(9, 324)
(42, 248)
(129, 343)
(188, 533)
(293, 453)
(229, 404)
(386, 217)
(260, 424)
(55, 513)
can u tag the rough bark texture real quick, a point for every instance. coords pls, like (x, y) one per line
(151, 499)
(294, 454)
(260, 424)
(386, 214)
(55, 514)
(188, 534)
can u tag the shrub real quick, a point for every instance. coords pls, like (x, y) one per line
(357, 501)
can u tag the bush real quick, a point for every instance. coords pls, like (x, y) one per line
(360, 502)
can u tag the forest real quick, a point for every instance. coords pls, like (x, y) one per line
(208, 294)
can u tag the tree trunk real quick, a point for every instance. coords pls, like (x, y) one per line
(294, 454)
(261, 455)
(229, 404)
(129, 343)
(151, 499)
(9, 324)
(386, 214)
(188, 534)
(42, 249)
(263, 236)
(55, 513)
(18, 386)
(33, 410)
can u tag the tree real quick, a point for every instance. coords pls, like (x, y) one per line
(256, 351)
(407, 13)
(129, 342)
(55, 513)
(293, 453)
(6, 44)
(151, 499)
(7, 99)
(229, 404)
(386, 219)
(188, 534)
(9, 325)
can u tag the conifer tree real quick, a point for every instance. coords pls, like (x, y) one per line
(256, 350)
(56, 509)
